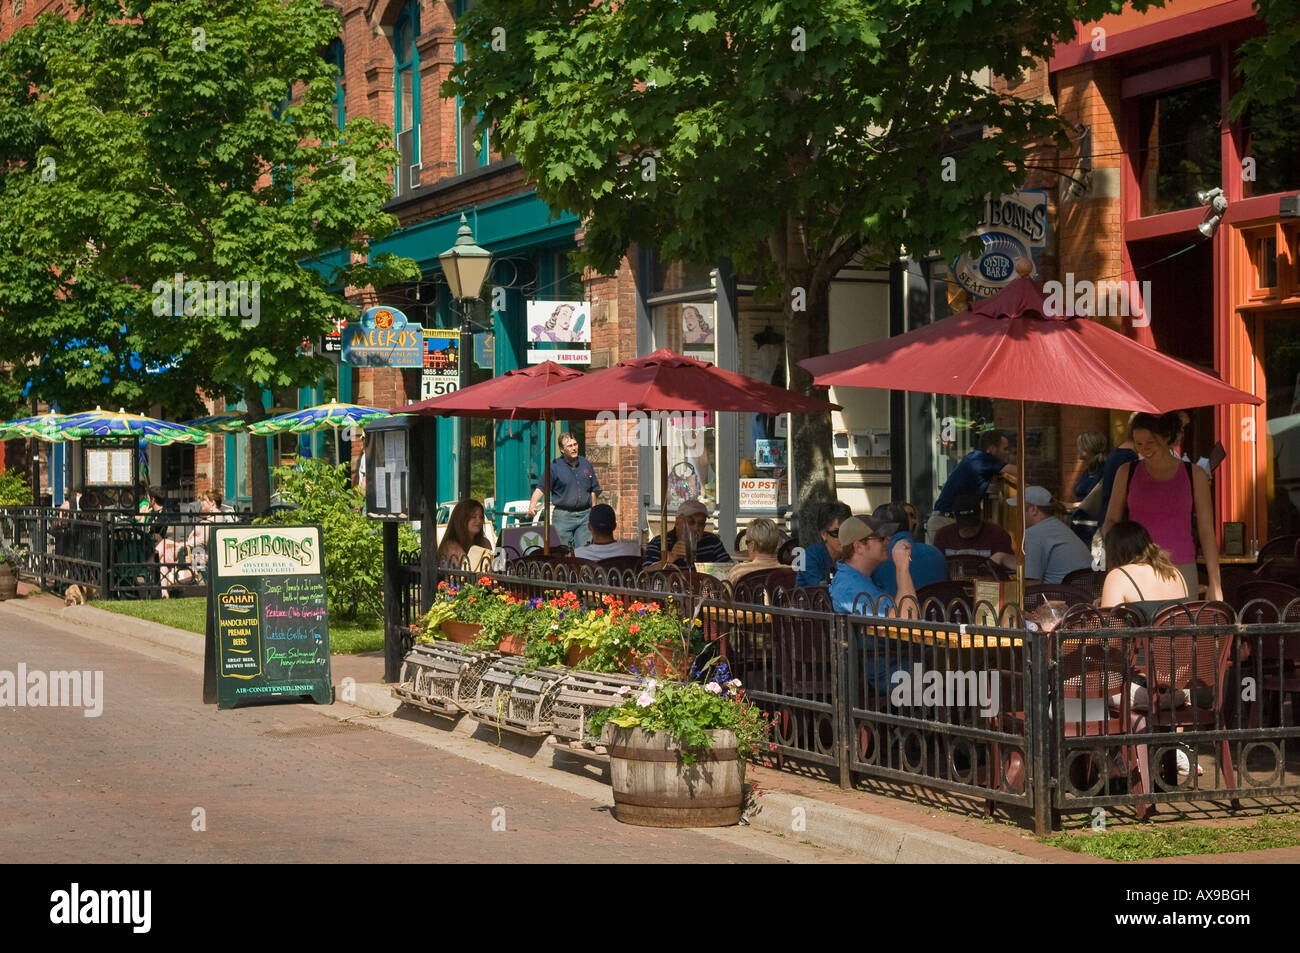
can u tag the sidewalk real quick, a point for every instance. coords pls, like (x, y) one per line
(875, 827)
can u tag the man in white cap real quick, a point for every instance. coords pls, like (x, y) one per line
(688, 543)
(1052, 549)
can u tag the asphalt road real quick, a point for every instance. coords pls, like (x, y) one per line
(159, 777)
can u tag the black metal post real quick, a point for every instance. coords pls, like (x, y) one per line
(465, 355)
(1037, 731)
(392, 605)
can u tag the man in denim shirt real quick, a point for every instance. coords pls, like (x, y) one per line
(864, 543)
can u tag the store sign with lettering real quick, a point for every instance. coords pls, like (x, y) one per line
(757, 493)
(383, 338)
(268, 620)
(1014, 227)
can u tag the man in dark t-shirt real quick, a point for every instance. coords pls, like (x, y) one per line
(574, 489)
(972, 535)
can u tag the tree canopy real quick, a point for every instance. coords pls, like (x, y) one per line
(142, 141)
(786, 135)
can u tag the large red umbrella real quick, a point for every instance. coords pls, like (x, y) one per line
(1010, 346)
(666, 381)
(478, 400)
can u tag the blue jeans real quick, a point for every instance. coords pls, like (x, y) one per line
(572, 527)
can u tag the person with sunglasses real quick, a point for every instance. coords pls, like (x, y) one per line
(820, 557)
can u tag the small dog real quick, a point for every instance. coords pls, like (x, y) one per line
(76, 595)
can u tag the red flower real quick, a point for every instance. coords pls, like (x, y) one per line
(634, 628)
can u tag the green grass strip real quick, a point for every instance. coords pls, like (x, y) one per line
(190, 616)
(1180, 840)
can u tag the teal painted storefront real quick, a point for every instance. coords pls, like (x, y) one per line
(519, 227)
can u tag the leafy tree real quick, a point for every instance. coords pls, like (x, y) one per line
(1267, 64)
(788, 135)
(140, 141)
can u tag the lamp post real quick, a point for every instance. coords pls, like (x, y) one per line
(466, 267)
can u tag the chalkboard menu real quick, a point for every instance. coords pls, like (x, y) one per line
(268, 623)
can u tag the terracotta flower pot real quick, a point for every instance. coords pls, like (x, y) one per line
(462, 632)
(579, 654)
(512, 645)
(651, 663)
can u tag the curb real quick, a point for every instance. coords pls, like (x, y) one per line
(865, 836)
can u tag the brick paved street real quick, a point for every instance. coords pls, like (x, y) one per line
(277, 783)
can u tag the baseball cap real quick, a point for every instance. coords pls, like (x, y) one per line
(967, 509)
(1037, 496)
(692, 508)
(602, 518)
(864, 527)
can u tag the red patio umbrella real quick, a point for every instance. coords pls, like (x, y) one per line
(666, 381)
(478, 400)
(1008, 346)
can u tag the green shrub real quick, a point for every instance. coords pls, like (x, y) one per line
(352, 544)
(14, 490)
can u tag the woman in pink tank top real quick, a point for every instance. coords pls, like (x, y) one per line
(1161, 496)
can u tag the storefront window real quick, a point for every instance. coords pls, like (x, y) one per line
(1180, 149)
(1280, 352)
(764, 438)
(1272, 139)
(688, 328)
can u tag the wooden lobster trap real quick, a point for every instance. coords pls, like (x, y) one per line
(442, 678)
(512, 697)
(581, 696)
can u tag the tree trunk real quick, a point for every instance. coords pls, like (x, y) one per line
(811, 452)
(259, 476)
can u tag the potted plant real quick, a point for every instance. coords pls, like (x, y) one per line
(548, 629)
(503, 620)
(678, 752)
(640, 638)
(456, 611)
(9, 561)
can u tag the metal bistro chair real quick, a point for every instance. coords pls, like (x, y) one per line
(1269, 603)
(1187, 673)
(1041, 592)
(1091, 579)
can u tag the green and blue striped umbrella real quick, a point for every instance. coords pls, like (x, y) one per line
(41, 427)
(103, 423)
(218, 423)
(323, 416)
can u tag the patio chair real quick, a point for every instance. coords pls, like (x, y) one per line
(1188, 673)
(621, 563)
(1232, 578)
(785, 555)
(1091, 579)
(974, 567)
(514, 513)
(1041, 592)
(946, 601)
(1269, 603)
(757, 587)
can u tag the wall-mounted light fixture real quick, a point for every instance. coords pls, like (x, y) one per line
(1214, 199)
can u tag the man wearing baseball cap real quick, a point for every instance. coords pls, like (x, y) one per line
(602, 522)
(972, 535)
(688, 543)
(864, 543)
(1052, 550)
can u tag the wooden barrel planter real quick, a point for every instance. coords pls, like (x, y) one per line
(8, 581)
(653, 787)
(461, 632)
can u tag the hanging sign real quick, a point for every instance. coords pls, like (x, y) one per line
(554, 327)
(268, 621)
(1014, 226)
(383, 338)
(441, 373)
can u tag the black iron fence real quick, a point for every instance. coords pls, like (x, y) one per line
(1101, 712)
(113, 554)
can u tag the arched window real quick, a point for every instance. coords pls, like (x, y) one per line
(406, 102)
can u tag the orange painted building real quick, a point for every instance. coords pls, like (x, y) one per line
(1149, 96)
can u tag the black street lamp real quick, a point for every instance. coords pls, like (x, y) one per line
(466, 267)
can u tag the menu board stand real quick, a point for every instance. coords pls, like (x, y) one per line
(267, 634)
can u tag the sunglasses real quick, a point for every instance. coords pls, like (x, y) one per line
(832, 533)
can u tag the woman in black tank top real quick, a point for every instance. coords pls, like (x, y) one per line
(1131, 552)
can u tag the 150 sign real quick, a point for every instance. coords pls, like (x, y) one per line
(437, 385)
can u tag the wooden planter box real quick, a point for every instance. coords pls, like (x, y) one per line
(653, 787)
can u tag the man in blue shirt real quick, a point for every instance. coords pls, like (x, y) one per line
(819, 559)
(574, 488)
(928, 564)
(972, 475)
(864, 544)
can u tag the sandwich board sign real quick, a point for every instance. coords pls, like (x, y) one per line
(268, 621)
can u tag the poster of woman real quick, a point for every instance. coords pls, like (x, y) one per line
(559, 322)
(697, 324)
